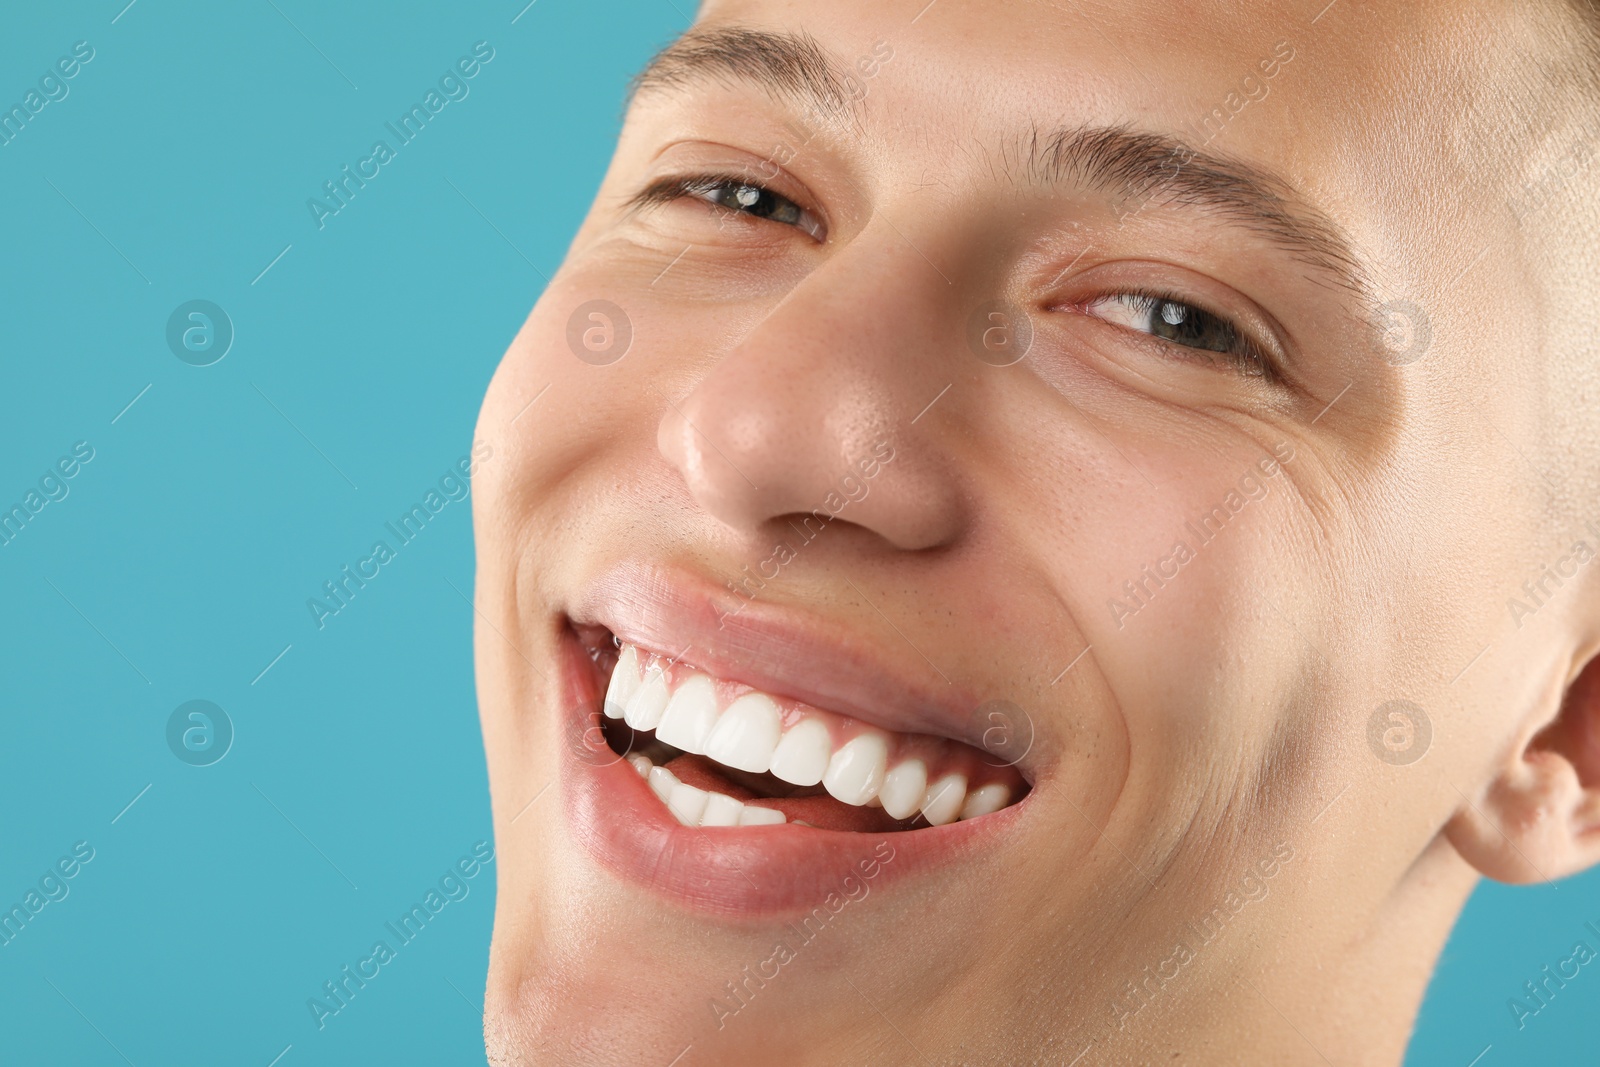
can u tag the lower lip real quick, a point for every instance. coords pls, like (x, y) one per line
(748, 872)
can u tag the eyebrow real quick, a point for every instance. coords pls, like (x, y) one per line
(1157, 167)
(790, 66)
(1140, 165)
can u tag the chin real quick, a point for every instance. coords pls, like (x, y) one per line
(746, 811)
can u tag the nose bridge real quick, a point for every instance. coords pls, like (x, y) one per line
(819, 391)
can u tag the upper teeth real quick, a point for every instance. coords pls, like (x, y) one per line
(851, 761)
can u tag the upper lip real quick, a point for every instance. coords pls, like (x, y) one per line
(780, 649)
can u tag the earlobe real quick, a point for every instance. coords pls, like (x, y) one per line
(1539, 818)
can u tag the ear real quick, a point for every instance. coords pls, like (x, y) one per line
(1539, 818)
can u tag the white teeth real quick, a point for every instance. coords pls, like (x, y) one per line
(903, 788)
(661, 782)
(689, 715)
(985, 800)
(624, 683)
(942, 803)
(857, 770)
(901, 792)
(721, 810)
(746, 735)
(687, 803)
(648, 702)
(802, 755)
(692, 806)
(754, 816)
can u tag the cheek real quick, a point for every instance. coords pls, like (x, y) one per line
(619, 333)
(552, 405)
(1169, 584)
(1183, 570)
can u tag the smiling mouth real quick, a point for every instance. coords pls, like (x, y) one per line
(721, 754)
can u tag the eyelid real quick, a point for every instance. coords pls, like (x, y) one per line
(1250, 359)
(671, 188)
(1258, 334)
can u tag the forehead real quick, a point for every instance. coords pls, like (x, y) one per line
(1162, 59)
(1392, 118)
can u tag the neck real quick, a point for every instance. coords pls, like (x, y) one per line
(1298, 976)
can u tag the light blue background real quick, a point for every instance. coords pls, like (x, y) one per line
(195, 536)
(179, 565)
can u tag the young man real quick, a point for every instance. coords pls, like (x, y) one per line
(1047, 532)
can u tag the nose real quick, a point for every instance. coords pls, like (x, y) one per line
(813, 410)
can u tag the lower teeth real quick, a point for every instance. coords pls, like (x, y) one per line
(693, 806)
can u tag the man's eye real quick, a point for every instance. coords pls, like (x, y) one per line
(733, 194)
(1185, 325)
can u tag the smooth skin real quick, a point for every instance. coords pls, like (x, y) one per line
(1227, 739)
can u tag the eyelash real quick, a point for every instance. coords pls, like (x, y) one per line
(698, 186)
(1245, 356)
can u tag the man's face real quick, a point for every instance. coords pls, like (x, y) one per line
(1101, 403)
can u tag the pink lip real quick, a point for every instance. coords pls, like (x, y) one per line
(751, 873)
(780, 650)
